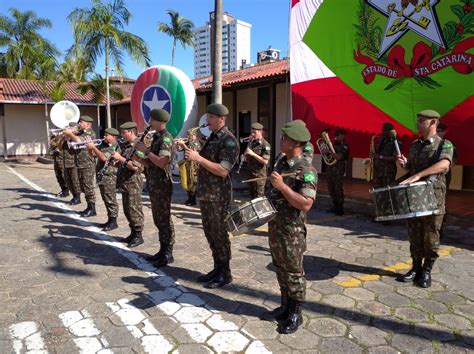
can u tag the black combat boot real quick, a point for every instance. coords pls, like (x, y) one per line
(188, 201)
(193, 200)
(129, 237)
(89, 211)
(280, 313)
(211, 275)
(76, 200)
(222, 278)
(63, 194)
(111, 224)
(294, 319)
(340, 210)
(413, 274)
(136, 240)
(425, 279)
(157, 255)
(166, 256)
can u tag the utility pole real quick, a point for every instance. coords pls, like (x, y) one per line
(107, 97)
(217, 67)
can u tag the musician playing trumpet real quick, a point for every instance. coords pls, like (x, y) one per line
(193, 144)
(335, 172)
(106, 167)
(385, 157)
(430, 157)
(257, 156)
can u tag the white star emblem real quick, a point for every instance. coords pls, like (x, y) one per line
(155, 103)
(420, 19)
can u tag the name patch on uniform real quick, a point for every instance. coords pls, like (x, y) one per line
(166, 139)
(309, 177)
(307, 148)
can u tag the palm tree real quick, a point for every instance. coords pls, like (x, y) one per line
(180, 28)
(28, 54)
(74, 69)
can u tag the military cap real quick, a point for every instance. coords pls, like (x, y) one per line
(72, 124)
(340, 131)
(257, 126)
(387, 126)
(429, 113)
(442, 127)
(160, 115)
(112, 131)
(87, 119)
(300, 121)
(296, 132)
(217, 109)
(128, 125)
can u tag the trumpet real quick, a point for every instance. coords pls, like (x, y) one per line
(326, 149)
(56, 131)
(78, 145)
(247, 139)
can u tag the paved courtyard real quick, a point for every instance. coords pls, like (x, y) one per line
(67, 287)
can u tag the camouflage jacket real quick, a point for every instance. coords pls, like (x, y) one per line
(384, 168)
(261, 148)
(423, 154)
(162, 145)
(69, 155)
(131, 181)
(194, 145)
(340, 147)
(308, 152)
(107, 150)
(83, 158)
(304, 182)
(222, 148)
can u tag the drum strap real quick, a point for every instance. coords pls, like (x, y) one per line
(438, 152)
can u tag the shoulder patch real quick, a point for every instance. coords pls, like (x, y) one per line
(267, 148)
(309, 177)
(166, 139)
(230, 143)
(447, 145)
(307, 148)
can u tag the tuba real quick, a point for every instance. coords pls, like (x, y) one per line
(326, 149)
(63, 113)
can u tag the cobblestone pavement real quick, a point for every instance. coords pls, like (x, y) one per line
(67, 287)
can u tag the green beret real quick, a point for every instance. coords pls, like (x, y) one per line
(296, 132)
(112, 131)
(128, 125)
(87, 119)
(160, 115)
(72, 124)
(257, 126)
(300, 121)
(429, 113)
(217, 109)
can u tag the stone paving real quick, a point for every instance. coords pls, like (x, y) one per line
(67, 287)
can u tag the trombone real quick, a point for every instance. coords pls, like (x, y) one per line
(78, 145)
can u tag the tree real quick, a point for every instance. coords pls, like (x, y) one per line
(74, 69)
(180, 28)
(99, 30)
(28, 55)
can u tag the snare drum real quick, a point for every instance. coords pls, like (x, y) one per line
(250, 216)
(405, 201)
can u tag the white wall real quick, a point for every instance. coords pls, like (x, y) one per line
(283, 113)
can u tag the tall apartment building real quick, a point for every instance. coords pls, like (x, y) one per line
(235, 45)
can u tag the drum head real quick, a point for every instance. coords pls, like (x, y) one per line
(250, 216)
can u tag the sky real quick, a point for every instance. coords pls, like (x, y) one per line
(269, 20)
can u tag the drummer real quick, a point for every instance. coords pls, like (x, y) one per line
(292, 197)
(430, 157)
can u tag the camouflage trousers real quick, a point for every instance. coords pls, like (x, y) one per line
(59, 172)
(160, 198)
(383, 181)
(257, 189)
(72, 181)
(423, 234)
(108, 192)
(213, 222)
(86, 180)
(335, 188)
(287, 242)
(133, 210)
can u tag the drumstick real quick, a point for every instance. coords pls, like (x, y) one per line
(262, 178)
(393, 134)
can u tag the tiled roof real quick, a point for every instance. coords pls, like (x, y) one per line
(252, 74)
(29, 91)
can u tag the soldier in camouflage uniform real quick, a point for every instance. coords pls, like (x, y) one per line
(130, 182)
(58, 158)
(335, 173)
(85, 164)
(385, 157)
(70, 169)
(430, 157)
(106, 170)
(160, 187)
(257, 156)
(193, 144)
(214, 191)
(292, 197)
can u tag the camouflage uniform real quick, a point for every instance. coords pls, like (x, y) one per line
(423, 232)
(257, 169)
(385, 171)
(308, 152)
(131, 185)
(196, 146)
(85, 164)
(215, 193)
(287, 231)
(70, 171)
(108, 184)
(58, 159)
(160, 187)
(335, 174)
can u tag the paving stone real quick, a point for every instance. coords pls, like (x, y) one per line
(327, 327)
(394, 300)
(455, 348)
(453, 321)
(373, 308)
(412, 344)
(359, 294)
(192, 349)
(327, 288)
(413, 292)
(378, 287)
(300, 340)
(339, 345)
(411, 314)
(383, 350)
(261, 329)
(228, 341)
(338, 301)
(368, 336)
(431, 306)
(466, 310)
(434, 332)
(447, 297)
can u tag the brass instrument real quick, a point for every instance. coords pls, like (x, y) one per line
(247, 140)
(187, 169)
(326, 149)
(369, 162)
(78, 145)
